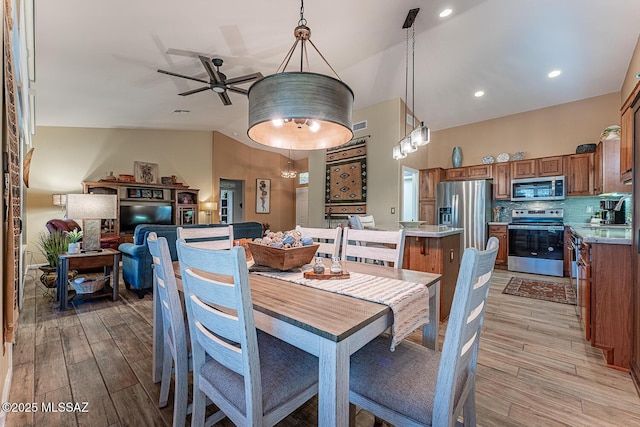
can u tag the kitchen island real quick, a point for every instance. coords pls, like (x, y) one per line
(434, 249)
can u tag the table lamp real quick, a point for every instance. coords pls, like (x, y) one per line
(91, 209)
(208, 207)
(59, 200)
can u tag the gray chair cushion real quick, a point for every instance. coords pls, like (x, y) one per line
(285, 372)
(403, 380)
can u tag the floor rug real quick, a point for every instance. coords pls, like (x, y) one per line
(538, 289)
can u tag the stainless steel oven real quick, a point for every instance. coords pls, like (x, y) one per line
(536, 241)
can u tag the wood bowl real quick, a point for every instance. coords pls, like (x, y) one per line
(282, 259)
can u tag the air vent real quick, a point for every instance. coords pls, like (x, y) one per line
(360, 126)
(410, 120)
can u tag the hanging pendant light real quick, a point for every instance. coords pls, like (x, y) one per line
(289, 173)
(420, 135)
(300, 110)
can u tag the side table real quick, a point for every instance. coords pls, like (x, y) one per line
(107, 258)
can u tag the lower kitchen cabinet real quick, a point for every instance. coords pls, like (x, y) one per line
(500, 232)
(440, 255)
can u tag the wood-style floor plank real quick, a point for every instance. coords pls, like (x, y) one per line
(534, 368)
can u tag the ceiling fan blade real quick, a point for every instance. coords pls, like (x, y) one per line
(244, 79)
(182, 76)
(225, 98)
(213, 74)
(191, 92)
(238, 90)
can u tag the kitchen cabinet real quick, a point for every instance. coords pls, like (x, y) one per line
(568, 251)
(579, 174)
(501, 181)
(440, 255)
(428, 211)
(584, 290)
(607, 168)
(429, 179)
(626, 142)
(456, 174)
(480, 172)
(523, 169)
(550, 166)
(500, 232)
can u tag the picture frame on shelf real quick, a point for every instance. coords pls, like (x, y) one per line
(146, 193)
(158, 194)
(133, 193)
(145, 172)
(263, 195)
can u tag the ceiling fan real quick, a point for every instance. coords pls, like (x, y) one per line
(218, 82)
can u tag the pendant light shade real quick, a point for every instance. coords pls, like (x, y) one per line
(420, 136)
(406, 146)
(300, 111)
(397, 153)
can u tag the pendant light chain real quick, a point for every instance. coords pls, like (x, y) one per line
(413, 79)
(406, 83)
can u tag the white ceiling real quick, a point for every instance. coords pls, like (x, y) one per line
(96, 61)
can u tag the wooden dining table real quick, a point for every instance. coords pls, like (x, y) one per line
(328, 325)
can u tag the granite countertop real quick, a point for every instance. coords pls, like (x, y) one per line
(425, 230)
(615, 235)
(498, 223)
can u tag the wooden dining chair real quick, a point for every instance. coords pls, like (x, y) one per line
(207, 237)
(252, 377)
(327, 238)
(175, 352)
(373, 245)
(417, 386)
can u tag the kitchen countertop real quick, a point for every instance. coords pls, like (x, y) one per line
(603, 234)
(498, 223)
(425, 230)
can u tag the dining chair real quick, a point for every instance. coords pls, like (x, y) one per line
(252, 377)
(376, 245)
(418, 386)
(207, 237)
(175, 350)
(327, 238)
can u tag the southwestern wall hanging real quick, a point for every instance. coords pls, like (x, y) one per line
(346, 180)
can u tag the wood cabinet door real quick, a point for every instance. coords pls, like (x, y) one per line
(626, 144)
(429, 179)
(523, 169)
(501, 181)
(455, 174)
(579, 174)
(584, 295)
(428, 212)
(480, 172)
(500, 232)
(598, 175)
(550, 166)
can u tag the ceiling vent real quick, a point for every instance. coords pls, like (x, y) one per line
(360, 126)
(410, 120)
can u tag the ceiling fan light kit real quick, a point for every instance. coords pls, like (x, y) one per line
(300, 110)
(420, 135)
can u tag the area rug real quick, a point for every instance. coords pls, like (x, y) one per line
(538, 289)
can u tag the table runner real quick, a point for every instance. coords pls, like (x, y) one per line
(409, 302)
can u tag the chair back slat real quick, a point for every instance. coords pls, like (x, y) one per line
(327, 238)
(214, 238)
(377, 245)
(456, 374)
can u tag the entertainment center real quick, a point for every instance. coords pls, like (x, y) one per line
(145, 203)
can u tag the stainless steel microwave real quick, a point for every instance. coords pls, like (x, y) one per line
(545, 188)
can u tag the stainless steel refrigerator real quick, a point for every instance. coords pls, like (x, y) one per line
(467, 205)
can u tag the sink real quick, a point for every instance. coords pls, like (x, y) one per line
(607, 226)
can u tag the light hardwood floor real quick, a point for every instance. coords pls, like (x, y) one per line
(534, 368)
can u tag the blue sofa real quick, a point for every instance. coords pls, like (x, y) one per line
(136, 258)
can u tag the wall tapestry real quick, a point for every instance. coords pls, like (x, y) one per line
(346, 180)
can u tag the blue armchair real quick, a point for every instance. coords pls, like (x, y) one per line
(136, 258)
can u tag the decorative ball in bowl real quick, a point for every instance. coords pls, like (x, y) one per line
(282, 258)
(411, 224)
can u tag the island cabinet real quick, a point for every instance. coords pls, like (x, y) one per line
(440, 255)
(611, 302)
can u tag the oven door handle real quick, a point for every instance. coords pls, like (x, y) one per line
(535, 227)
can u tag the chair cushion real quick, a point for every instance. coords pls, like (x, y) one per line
(404, 381)
(285, 370)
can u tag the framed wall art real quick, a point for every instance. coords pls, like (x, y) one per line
(263, 195)
(145, 172)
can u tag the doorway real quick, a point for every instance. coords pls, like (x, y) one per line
(302, 206)
(410, 194)
(231, 201)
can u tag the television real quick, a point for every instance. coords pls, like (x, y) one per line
(133, 215)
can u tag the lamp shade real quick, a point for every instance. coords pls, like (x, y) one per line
(209, 206)
(300, 111)
(59, 199)
(92, 206)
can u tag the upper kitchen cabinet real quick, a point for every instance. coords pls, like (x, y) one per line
(523, 169)
(626, 136)
(480, 172)
(607, 168)
(501, 181)
(429, 179)
(456, 174)
(579, 173)
(533, 168)
(551, 166)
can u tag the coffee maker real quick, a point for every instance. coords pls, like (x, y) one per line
(608, 213)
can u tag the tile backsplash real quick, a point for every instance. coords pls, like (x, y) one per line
(576, 209)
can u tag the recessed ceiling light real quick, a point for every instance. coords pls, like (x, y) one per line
(554, 73)
(479, 93)
(446, 12)
(638, 76)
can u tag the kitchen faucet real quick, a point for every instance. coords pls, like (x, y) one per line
(622, 199)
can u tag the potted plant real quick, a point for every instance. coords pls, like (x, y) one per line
(74, 241)
(51, 245)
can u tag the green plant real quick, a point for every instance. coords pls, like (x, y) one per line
(51, 245)
(74, 236)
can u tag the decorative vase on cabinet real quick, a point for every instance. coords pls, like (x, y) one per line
(456, 157)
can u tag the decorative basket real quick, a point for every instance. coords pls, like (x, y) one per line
(88, 286)
(282, 259)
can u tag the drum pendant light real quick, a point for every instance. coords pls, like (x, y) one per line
(300, 110)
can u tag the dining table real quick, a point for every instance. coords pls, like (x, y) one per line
(329, 325)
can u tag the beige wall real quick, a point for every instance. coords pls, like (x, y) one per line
(236, 161)
(630, 80)
(64, 157)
